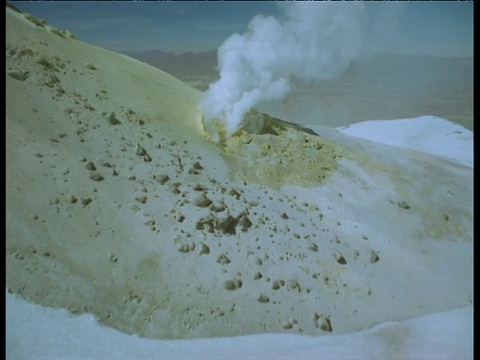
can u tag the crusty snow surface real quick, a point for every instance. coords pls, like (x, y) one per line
(35, 332)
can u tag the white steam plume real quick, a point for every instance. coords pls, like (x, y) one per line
(315, 40)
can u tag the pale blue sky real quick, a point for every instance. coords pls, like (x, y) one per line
(440, 28)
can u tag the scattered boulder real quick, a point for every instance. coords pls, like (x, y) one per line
(19, 75)
(202, 201)
(97, 177)
(263, 299)
(228, 225)
(233, 284)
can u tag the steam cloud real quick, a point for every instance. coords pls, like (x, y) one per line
(315, 40)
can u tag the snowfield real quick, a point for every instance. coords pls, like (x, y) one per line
(35, 332)
(429, 134)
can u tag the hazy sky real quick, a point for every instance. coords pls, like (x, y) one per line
(432, 27)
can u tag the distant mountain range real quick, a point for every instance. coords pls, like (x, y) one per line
(390, 63)
(400, 85)
(178, 64)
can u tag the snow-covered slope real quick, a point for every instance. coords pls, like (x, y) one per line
(118, 206)
(35, 332)
(430, 134)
